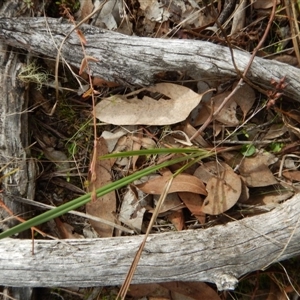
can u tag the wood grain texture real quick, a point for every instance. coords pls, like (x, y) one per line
(135, 61)
(17, 169)
(219, 254)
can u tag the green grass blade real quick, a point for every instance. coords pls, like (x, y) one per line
(155, 151)
(76, 203)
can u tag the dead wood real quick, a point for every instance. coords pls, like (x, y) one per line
(220, 254)
(17, 169)
(135, 60)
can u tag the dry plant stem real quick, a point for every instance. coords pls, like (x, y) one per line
(60, 48)
(81, 38)
(292, 15)
(125, 286)
(239, 73)
(32, 228)
(202, 128)
(288, 277)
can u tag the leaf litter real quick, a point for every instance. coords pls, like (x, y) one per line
(216, 186)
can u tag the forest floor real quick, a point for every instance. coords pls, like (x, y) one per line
(254, 128)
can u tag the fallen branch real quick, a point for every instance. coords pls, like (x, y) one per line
(219, 254)
(135, 60)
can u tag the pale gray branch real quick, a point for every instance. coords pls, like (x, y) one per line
(219, 254)
(136, 60)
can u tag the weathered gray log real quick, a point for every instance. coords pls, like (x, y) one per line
(219, 254)
(136, 60)
(16, 167)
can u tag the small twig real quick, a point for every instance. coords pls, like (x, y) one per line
(61, 45)
(125, 286)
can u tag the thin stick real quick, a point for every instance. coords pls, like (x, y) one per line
(125, 286)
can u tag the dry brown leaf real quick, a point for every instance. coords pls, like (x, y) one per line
(292, 175)
(275, 131)
(147, 290)
(190, 131)
(193, 290)
(177, 219)
(244, 197)
(202, 116)
(181, 183)
(172, 202)
(86, 7)
(136, 145)
(270, 196)
(264, 4)
(194, 203)
(223, 192)
(112, 138)
(210, 169)
(103, 207)
(130, 110)
(84, 63)
(245, 98)
(81, 36)
(227, 115)
(255, 170)
(66, 231)
(154, 11)
(97, 81)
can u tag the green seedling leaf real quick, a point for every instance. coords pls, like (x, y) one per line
(276, 147)
(248, 150)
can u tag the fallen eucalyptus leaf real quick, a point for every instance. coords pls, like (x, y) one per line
(131, 110)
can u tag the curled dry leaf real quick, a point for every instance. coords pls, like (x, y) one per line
(130, 110)
(111, 138)
(84, 63)
(181, 183)
(223, 192)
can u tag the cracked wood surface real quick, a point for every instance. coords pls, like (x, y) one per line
(218, 254)
(136, 60)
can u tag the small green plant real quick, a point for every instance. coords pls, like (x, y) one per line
(29, 4)
(33, 73)
(276, 147)
(248, 150)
